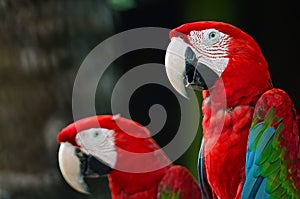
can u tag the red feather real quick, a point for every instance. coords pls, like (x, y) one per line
(289, 136)
(133, 137)
(226, 125)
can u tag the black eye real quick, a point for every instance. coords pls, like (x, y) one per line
(212, 35)
(96, 134)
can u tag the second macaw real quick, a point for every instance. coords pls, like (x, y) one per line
(250, 146)
(122, 149)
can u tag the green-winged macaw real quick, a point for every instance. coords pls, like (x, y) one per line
(123, 150)
(250, 145)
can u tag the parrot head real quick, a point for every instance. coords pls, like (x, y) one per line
(100, 145)
(79, 155)
(202, 55)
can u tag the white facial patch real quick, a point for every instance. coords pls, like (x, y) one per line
(210, 47)
(100, 143)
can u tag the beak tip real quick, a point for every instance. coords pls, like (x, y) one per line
(84, 191)
(70, 168)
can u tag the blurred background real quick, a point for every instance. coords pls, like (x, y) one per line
(43, 43)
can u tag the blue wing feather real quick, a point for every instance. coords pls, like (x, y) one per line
(268, 174)
(205, 188)
(259, 138)
(261, 192)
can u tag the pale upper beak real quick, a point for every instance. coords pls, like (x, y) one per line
(175, 64)
(69, 165)
(185, 69)
(75, 165)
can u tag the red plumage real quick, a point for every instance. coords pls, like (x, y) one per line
(246, 77)
(228, 108)
(289, 136)
(132, 137)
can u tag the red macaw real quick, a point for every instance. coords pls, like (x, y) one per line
(124, 150)
(250, 146)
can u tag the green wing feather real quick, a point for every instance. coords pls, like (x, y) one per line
(272, 159)
(169, 194)
(178, 183)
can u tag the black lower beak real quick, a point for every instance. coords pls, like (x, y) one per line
(91, 166)
(198, 75)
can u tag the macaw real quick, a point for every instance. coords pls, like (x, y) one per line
(123, 150)
(250, 144)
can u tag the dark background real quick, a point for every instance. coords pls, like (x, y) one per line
(43, 43)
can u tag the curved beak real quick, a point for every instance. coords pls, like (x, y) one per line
(184, 70)
(69, 165)
(175, 64)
